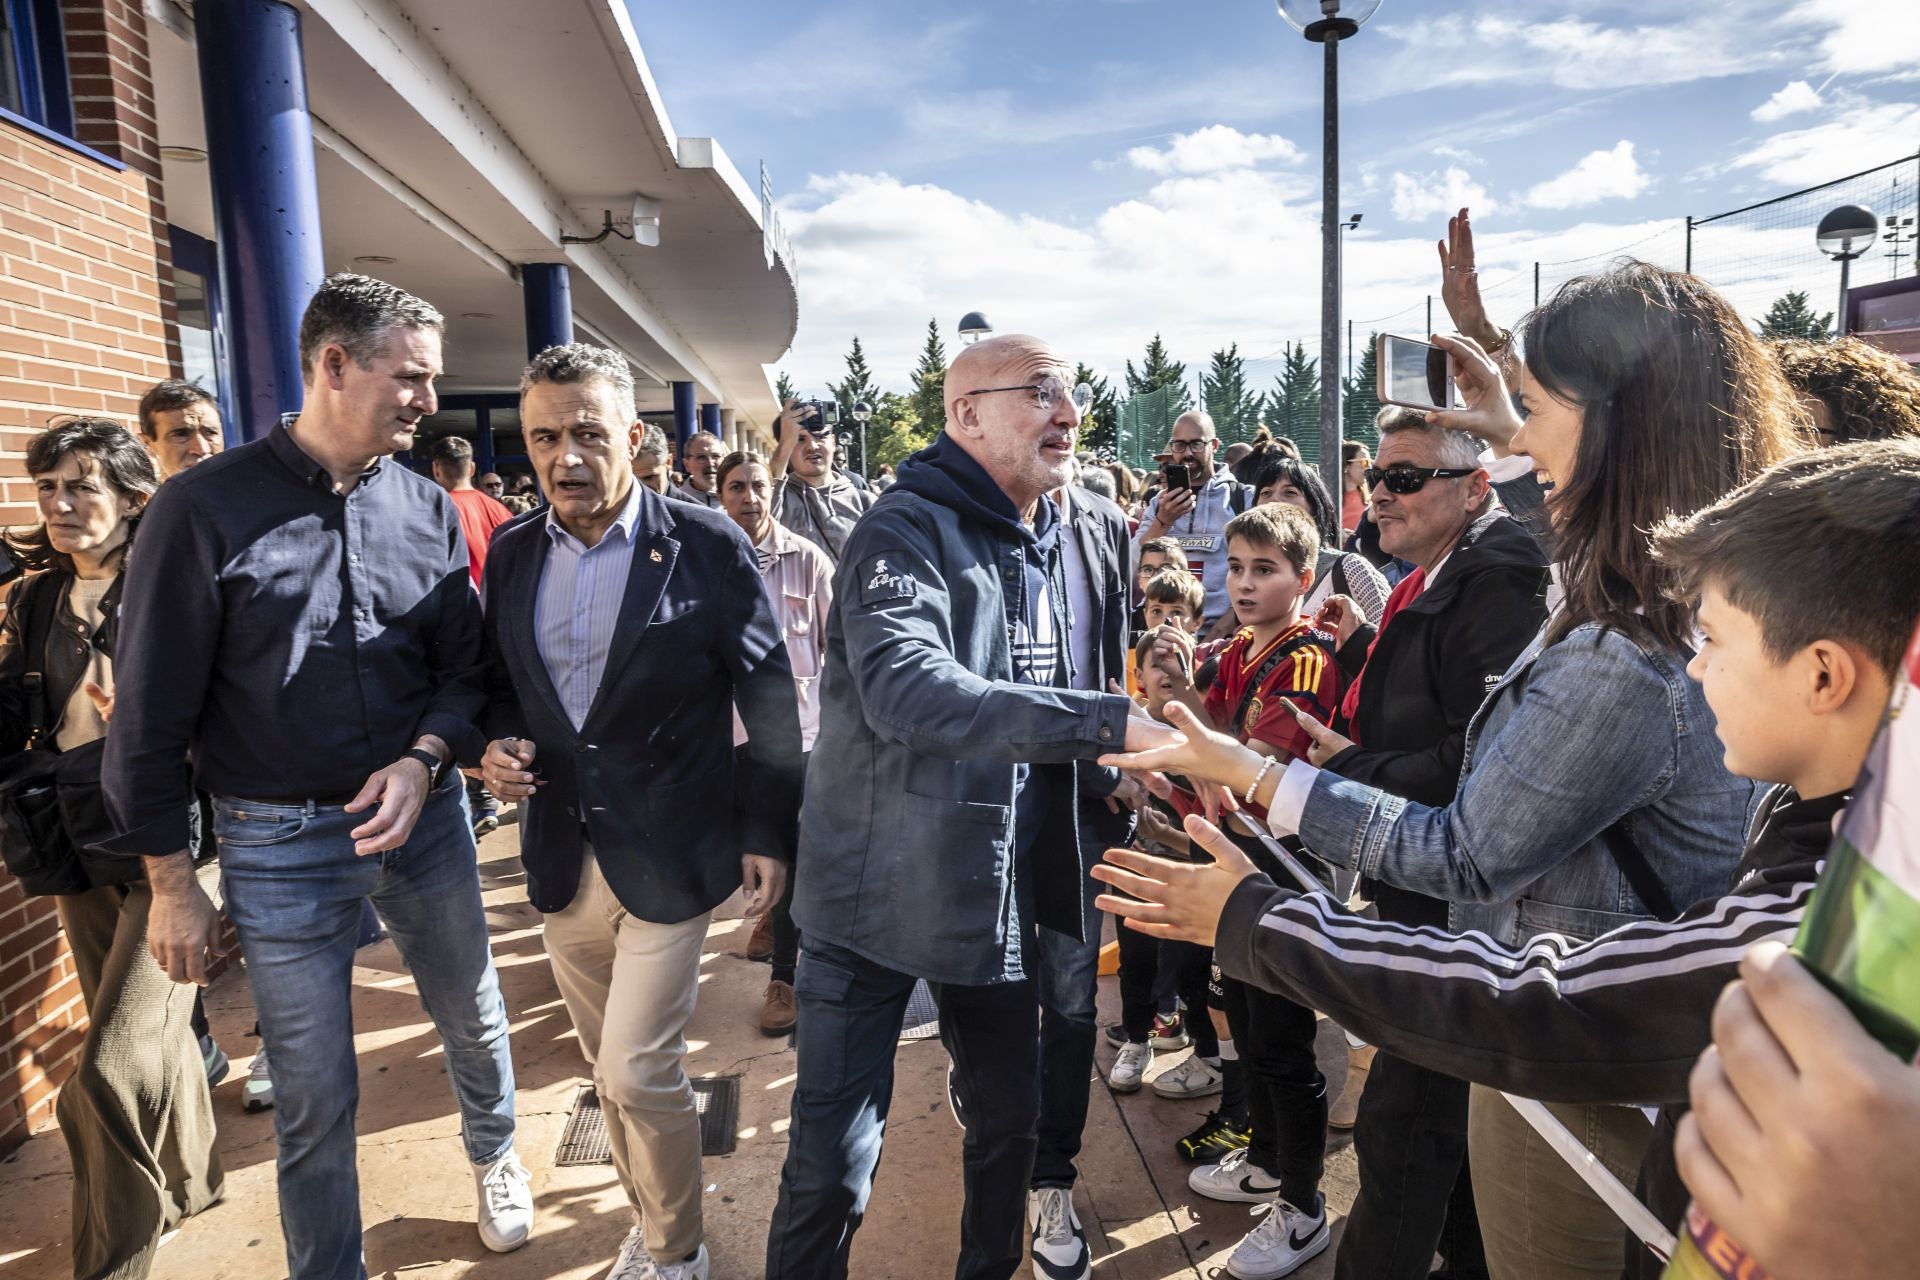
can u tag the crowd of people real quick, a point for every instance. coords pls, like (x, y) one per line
(1557, 702)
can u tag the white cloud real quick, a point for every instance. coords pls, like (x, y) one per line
(1863, 136)
(1862, 35)
(1574, 53)
(1798, 96)
(1601, 175)
(1421, 197)
(1203, 259)
(1211, 149)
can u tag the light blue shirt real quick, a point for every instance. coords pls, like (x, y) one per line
(579, 603)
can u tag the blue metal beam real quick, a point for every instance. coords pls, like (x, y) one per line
(266, 207)
(546, 288)
(685, 403)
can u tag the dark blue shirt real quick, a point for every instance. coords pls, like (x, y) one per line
(289, 640)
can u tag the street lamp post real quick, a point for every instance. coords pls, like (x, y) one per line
(1843, 235)
(973, 327)
(1329, 22)
(861, 412)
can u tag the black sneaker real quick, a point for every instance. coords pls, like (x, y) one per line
(1217, 1137)
(1116, 1034)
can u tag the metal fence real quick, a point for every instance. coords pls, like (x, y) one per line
(1755, 254)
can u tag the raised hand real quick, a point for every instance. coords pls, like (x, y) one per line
(1488, 411)
(1460, 283)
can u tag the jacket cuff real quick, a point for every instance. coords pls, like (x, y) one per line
(155, 839)
(1107, 726)
(1233, 935)
(461, 735)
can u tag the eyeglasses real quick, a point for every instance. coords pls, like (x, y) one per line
(1046, 393)
(1412, 479)
(1189, 446)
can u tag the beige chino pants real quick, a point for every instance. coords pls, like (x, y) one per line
(630, 986)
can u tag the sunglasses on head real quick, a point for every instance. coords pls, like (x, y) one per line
(1412, 479)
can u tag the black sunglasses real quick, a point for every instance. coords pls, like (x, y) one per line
(1412, 479)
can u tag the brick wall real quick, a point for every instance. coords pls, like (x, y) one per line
(86, 325)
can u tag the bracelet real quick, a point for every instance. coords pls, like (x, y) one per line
(1265, 764)
(1501, 343)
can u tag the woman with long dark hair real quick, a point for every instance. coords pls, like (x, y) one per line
(135, 1113)
(1593, 791)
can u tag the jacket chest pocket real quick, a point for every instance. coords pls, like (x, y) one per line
(796, 613)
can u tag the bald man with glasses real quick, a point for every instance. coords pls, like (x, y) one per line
(1195, 513)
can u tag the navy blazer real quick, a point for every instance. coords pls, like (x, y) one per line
(650, 778)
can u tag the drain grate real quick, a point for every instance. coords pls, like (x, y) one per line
(922, 1020)
(717, 1101)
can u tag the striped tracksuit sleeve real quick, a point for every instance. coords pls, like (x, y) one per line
(1620, 1019)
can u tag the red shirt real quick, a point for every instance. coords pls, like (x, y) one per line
(1307, 677)
(479, 517)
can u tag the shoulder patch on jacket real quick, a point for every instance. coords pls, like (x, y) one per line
(881, 581)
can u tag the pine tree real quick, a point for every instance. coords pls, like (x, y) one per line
(1360, 398)
(783, 389)
(1159, 370)
(1791, 317)
(1293, 407)
(895, 431)
(1224, 395)
(858, 385)
(1100, 429)
(927, 399)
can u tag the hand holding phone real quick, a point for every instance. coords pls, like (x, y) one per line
(1413, 374)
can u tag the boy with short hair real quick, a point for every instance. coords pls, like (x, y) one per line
(1276, 661)
(1156, 554)
(1174, 596)
(1807, 591)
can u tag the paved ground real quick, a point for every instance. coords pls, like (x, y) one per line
(417, 1194)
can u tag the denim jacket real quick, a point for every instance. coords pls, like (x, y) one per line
(1603, 729)
(907, 849)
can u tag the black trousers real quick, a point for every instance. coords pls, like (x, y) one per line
(1143, 960)
(1416, 1191)
(1286, 1094)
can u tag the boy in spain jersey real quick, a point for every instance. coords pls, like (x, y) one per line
(1274, 662)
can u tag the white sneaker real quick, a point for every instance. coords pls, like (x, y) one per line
(1283, 1243)
(632, 1263)
(1235, 1179)
(1059, 1244)
(1129, 1068)
(506, 1203)
(259, 1091)
(1191, 1079)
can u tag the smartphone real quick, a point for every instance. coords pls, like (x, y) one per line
(1179, 475)
(1413, 374)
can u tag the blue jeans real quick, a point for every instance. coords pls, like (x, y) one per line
(1065, 980)
(293, 890)
(850, 1011)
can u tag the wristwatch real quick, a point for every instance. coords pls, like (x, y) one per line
(436, 768)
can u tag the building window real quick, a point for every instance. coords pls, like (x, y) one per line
(33, 65)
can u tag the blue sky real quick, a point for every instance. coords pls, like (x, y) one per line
(1098, 170)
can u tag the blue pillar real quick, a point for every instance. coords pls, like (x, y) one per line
(710, 421)
(546, 288)
(266, 207)
(684, 404)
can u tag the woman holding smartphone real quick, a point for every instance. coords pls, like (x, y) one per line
(1592, 790)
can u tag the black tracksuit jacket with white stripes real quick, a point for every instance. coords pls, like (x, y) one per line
(1620, 1019)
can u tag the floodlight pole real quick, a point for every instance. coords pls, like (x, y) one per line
(1330, 468)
